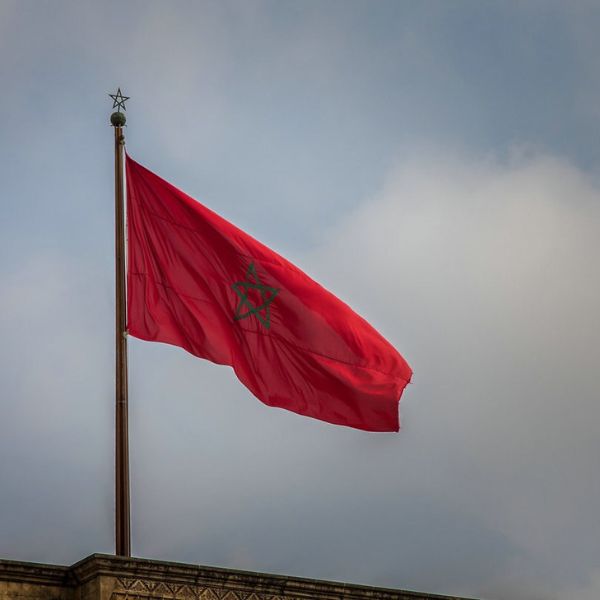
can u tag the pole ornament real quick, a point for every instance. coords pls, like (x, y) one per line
(118, 118)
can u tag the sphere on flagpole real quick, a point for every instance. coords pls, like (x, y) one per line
(118, 119)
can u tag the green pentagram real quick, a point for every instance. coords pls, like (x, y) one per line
(245, 308)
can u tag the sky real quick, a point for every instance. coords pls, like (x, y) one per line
(436, 165)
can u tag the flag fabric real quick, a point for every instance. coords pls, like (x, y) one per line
(198, 282)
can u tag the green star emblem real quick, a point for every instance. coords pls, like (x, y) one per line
(245, 307)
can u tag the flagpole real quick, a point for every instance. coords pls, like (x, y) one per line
(122, 504)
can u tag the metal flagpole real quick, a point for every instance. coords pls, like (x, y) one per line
(122, 521)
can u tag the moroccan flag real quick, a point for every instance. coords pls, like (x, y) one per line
(198, 282)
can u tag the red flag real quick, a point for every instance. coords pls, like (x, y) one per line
(198, 282)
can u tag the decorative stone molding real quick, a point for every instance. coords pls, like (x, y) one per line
(104, 577)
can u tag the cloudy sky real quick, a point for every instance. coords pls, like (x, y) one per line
(436, 165)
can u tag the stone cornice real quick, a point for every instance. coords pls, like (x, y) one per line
(23, 572)
(129, 571)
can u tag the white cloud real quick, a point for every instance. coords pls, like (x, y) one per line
(484, 274)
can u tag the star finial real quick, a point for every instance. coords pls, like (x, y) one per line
(119, 100)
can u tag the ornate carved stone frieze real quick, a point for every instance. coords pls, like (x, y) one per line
(144, 589)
